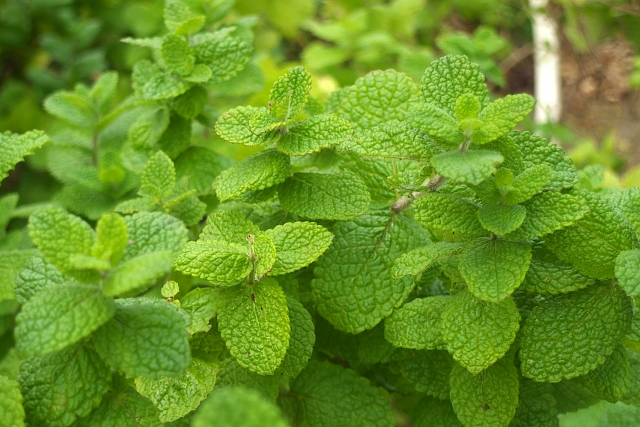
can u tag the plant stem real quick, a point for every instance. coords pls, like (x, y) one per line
(404, 202)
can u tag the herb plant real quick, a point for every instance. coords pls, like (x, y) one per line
(396, 251)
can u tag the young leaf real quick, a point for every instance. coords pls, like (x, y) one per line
(191, 103)
(289, 94)
(111, 238)
(501, 116)
(418, 260)
(177, 55)
(11, 403)
(175, 397)
(14, 148)
(501, 219)
(153, 232)
(180, 18)
(353, 287)
(302, 339)
(488, 399)
(74, 378)
(567, 336)
(260, 171)
(158, 177)
(228, 226)
(462, 214)
(233, 126)
(146, 337)
(428, 371)
(104, 91)
(297, 244)
(332, 396)
(314, 134)
(529, 183)
(612, 379)
(593, 243)
(323, 196)
(237, 407)
(450, 77)
(265, 252)
(494, 268)
(437, 123)
(477, 332)
(164, 86)
(137, 274)
(417, 324)
(37, 274)
(201, 166)
(201, 304)
(467, 167)
(254, 322)
(224, 54)
(467, 107)
(59, 316)
(220, 263)
(547, 275)
(72, 108)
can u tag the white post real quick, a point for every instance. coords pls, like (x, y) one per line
(546, 65)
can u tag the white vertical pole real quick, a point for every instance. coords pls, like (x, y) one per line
(546, 65)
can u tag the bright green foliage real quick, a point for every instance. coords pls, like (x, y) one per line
(233, 126)
(417, 324)
(60, 387)
(177, 55)
(302, 339)
(548, 275)
(153, 232)
(353, 285)
(70, 107)
(234, 375)
(223, 52)
(219, 263)
(289, 94)
(418, 260)
(536, 405)
(632, 396)
(201, 304)
(37, 274)
(237, 407)
(593, 243)
(11, 263)
(463, 219)
(527, 184)
(627, 265)
(569, 335)
(477, 332)
(181, 18)
(228, 226)
(111, 238)
(432, 412)
(137, 274)
(501, 219)
(297, 245)
(14, 148)
(260, 171)
(323, 196)
(254, 322)
(158, 177)
(265, 255)
(488, 399)
(428, 371)
(177, 396)
(501, 116)
(612, 379)
(467, 107)
(437, 123)
(314, 134)
(494, 268)
(146, 338)
(61, 315)
(11, 403)
(332, 396)
(467, 167)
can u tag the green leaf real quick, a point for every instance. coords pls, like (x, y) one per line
(260, 171)
(572, 395)
(501, 116)
(611, 380)
(353, 287)
(111, 238)
(104, 90)
(218, 262)
(536, 405)
(593, 243)
(332, 396)
(146, 337)
(547, 275)
(488, 399)
(324, 196)
(8, 205)
(234, 375)
(417, 324)
(289, 94)
(314, 134)
(237, 407)
(393, 140)
(14, 148)
(11, 262)
(11, 403)
(180, 18)
(153, 232)
(228, 226)
(297, 244)
(437, 123)
(632, 396)
(378, 97)
(467, 107)
(373, 348)
(191, 103)
(177, 55)
(164, 86)
(501, 219)
(37, 274)
(233, 126)
(478, 332)
(569, 335)
(265, 252)
(467, 167)
(301, 341)
(494, 268)
(146, 131)
(529, 183)
(628, 271)
(201, 166)
(428, 371)
(418, 260)
(176, 396)
(137, 274)
(225, 54)
(432, 412)
(59, 316)
(461, 218)
(548, 212)
(158, 177)
(201, 304)
(60, 387)
(536, 150)
(254, 322)
(72, 108)
(450, 77)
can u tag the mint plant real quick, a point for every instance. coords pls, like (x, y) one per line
(394, 244)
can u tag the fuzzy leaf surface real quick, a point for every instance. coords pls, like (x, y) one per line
(467, 167)
(11, 403)
(314, 134)
(461, 218)
(37, 274)
(220, 263)
(111, 238)
(501, 219)
(418, 260)
(628, 271)
(228, 226)
(547, 275)
(302, 339)
(137, 274)
(428, 371)
(417, 324)
(158, 177)
(14, 148)
(289, 93)
(153, 232)
(233, 126)
(501, 116)
(436, 122)
(529, 183)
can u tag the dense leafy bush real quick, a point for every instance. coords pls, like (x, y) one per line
(396, 251)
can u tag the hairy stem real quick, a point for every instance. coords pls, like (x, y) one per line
(405, 201)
